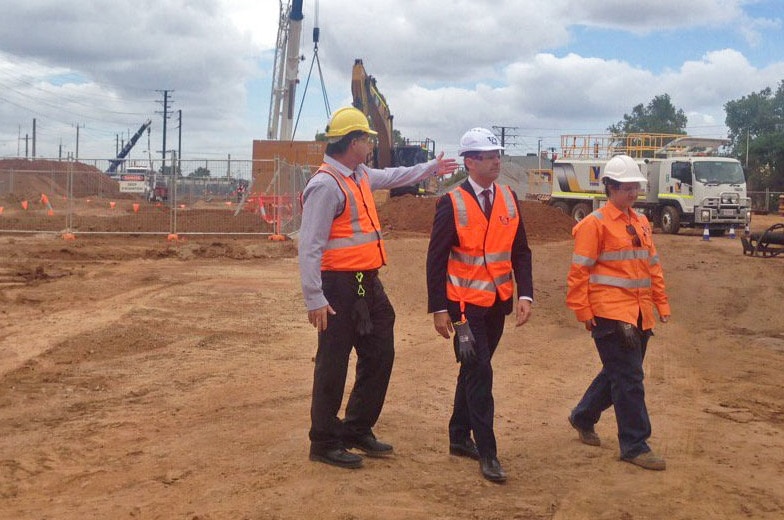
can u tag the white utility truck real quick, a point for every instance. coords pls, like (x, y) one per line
(689, 185)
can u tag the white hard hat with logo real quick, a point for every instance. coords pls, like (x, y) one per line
(623, 168)
(478, 140)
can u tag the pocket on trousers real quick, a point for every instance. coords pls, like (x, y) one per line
(604, 328)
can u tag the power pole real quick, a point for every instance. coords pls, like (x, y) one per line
(33, 138)
(539, 151)
(77, 141)
(166, 102)
(504, 134)
(179, 140)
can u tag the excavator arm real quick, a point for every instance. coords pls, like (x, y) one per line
(372, 103)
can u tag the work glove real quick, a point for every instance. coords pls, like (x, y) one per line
(464, 343)
(360, 314)
(631, 336)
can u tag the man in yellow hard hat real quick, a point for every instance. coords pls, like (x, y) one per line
(340, 252)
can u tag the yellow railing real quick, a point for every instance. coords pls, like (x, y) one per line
(604, 146)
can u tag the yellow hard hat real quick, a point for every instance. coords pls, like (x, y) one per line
(346, 120)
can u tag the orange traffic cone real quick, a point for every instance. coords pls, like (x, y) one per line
(112, 204)
(135, 207)
(24, 205)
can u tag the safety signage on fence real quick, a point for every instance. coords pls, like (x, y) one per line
(132, 177)
(133, 186)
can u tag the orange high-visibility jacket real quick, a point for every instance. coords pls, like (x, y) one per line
(354, 242)
(481, 265)
(609, 276)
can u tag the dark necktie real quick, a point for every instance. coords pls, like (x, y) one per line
(487, 206)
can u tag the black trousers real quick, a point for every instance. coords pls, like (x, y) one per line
(474, 407)
(375, 356)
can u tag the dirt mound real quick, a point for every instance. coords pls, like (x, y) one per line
(415, 214)
(30, 178)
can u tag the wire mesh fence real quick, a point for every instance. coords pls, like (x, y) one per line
(194, 197)
(767, 201)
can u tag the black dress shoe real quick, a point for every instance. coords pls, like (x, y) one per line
(337, 457)
(492, 470)
(467, 448)
(371, 446)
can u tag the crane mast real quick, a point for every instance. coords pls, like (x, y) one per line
(285, 72)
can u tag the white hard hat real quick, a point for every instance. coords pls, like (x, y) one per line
(623, 168)
(478, 140)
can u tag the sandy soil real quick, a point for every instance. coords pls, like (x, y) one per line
(147, 379)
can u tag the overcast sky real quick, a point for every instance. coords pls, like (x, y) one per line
(543, 68)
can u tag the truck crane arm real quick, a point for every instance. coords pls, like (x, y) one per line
(114, 163)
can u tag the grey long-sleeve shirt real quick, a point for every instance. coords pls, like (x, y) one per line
(323, 200)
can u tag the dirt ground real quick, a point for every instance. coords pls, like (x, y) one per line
(147, 379)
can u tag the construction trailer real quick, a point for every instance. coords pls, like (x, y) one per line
(265, 154)
(689, 183)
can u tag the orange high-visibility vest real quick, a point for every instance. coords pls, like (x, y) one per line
(355, 242)
(481, 266)
(609, 276)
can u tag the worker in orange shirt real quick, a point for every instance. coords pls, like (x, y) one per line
(614, 283)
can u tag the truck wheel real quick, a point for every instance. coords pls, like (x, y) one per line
(670, 220)
(580, 211)
(563, 207)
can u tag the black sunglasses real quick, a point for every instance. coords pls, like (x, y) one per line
(636, 242)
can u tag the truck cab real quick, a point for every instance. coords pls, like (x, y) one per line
(690, 186)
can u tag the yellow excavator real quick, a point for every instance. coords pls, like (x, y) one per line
(372, 103)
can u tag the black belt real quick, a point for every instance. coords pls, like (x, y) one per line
(366, 275)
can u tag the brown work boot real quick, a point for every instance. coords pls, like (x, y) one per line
(648, 460)
(588, 437)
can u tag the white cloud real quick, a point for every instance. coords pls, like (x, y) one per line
(443, 66)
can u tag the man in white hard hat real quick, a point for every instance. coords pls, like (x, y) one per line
(478, 250)
(614, 283)
(340, 252)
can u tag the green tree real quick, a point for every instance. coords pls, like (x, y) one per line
(397, 138)
(200, 172)
(756, 125)
(658, 117)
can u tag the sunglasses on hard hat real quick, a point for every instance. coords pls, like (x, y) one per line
(636, 242)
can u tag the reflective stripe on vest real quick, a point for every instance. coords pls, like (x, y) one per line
(626, 254)
(481, 266)
(355, 242)
(617, 281)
